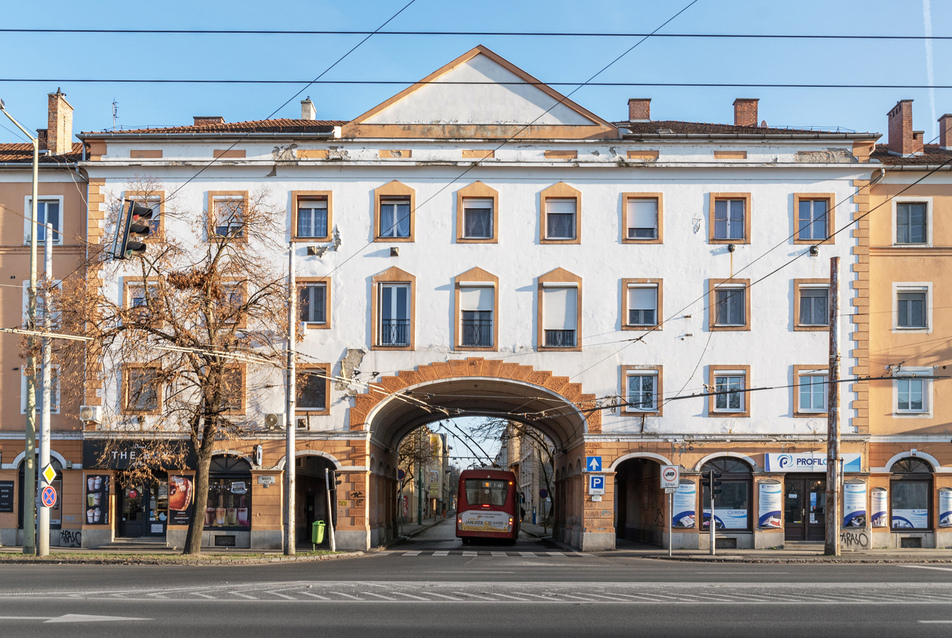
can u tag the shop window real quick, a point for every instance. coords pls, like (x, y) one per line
(910, 491)
(229, 494)
(732, 507)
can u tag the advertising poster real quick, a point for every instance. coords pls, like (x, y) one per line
(180, 499)
(684, 515)
(910, 518)
(945, 507)
(878, 507)
(6, 496)
(769, 504)
(725, 518)
(854, 504)
(97, 500)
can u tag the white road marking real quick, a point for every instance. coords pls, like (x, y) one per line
(528, 554)
(411, 553)
(936, 622)
(500, 554)
(285, 596)
(248, 596)
(307, 593)
(470, 553)
(400, 593)
(441, 553)
(941, 569)
(370, 593)
(339, 593)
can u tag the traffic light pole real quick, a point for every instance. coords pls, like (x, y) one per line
(43, 513)
(291, 388)
(832, 510)
(713, 524)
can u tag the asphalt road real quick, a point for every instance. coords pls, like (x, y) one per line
(432, 585)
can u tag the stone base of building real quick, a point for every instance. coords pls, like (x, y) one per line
(358, 541)
(597, 541)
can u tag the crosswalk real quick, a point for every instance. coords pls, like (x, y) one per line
(469, 553)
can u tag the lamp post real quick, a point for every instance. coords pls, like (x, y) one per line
(30, 469)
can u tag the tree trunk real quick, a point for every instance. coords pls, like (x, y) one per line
(193, 540)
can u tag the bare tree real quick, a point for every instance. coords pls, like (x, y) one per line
(197, 329)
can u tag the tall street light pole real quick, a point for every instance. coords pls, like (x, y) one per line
(30, 469)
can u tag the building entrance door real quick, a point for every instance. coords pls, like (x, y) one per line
(144, 509)
(804, 506)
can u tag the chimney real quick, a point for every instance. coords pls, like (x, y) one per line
(639, 109)
(41, 138)
(918, 138)
(307, 109)
(206, 120)
(59, 136)
(745, 111)
(945, 127)
(900, 129)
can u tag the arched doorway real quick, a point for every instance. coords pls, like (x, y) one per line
(639, 501)
(312, 475)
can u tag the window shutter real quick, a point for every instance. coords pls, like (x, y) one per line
(642, 213)
(560, 206)
(559, 308)
(476, 298)
(642, 298)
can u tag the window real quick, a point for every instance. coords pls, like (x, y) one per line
(394, 212)
(911, 309)
(642, 389)
(392, 306)
(911, 494)
(312, 217)
(140, 390)
(233, 390)
(230, 304)
(814, 218)
(642, 217)
(229, 494)
(642, 304)
(49, 211)
(54, 389)
(810, 390)
(41, 303)
(732, 506)
(312, 388)
(730, 218)
(560, 206)
(912, 223)
(912, 391)
(811, 304)
(728, 386)
(476, 305)
(560, 313)
(312, 304)
(729, 304)
(227, 214)
(477, 214)
(142, 297)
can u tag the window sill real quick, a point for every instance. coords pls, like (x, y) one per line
(742, 240)
(730, 328)
(811, 328)
(402, 240)
(802, 414)
(717, 414)
(311, 239)
(640, 327)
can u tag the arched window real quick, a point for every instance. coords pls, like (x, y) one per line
(733, 504)
(229, 494)
(911, 494)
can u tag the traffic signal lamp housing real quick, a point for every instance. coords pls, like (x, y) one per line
(714, 483)
(136, 225)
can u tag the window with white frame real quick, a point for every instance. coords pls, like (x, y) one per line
(559, 316)
(141, 389)
(729, 391)
(395, 217)
(729, 219)
(812, 391)
(312, 303)
(228, 215)
(641, 391)
(560, 217)
(54, 389)
(642, 216)
(912, 307)
(913, 390)
(912, 223)
(233, 390)
(642, 305)
(394, 309)
(41, 296)
(730, 306)
(476, 316)
(477, 218)
(311, 218)
(49, 212)
(311, 388)
(814, 305)
(812, 219)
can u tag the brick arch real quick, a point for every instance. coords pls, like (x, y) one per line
(476, 367)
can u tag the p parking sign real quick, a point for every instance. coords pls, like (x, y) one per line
(596, 484)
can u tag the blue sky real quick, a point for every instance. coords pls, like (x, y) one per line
(60, 58)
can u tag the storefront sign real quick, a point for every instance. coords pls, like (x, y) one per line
(685, 500)
(945, 507)
(854, 504)
(6, 496)
(97, 499)
(808, 462)
(180, 500)
(725, 518)
(121, 454)
(878, 506)
(768, 504)
(910, 518)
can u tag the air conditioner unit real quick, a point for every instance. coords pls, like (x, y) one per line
(275, 420)
(90, 413)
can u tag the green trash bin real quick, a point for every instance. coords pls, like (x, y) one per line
(317, 532)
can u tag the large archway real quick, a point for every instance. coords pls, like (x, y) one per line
(399, 404)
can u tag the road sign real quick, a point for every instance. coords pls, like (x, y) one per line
(49, 473)
(48, 496)
(543, 493)
(596, 484)
(670, 475)
(401, 474)
(593, 463)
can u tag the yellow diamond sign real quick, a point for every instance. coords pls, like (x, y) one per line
(49, 473)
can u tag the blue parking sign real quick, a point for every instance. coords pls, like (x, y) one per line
(596, 484)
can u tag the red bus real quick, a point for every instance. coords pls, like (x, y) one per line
(488, 506)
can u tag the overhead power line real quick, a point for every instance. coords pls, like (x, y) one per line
(493, 34)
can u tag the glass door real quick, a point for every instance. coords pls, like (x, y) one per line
(132, 511)
(816, 519)
(793, 510)
(804, 508)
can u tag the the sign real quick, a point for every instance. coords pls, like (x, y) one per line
(6, 496)
(878, 506)
(121, 454)
(808, 462)
(266, 480)
(401, 474)
(685, 499)
(945, 507)
(484, 521)
(97, 499)
(259, 455)
(854, 504)
(768, 504)
(670, 477)
(593, 463)
(596, 484)
(48, 496)
(543, 493)
(49, 473)
(180, 499)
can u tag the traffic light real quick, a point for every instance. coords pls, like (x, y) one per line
(136, 226)
(713, 483)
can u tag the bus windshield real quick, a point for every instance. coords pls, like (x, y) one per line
(486, 492)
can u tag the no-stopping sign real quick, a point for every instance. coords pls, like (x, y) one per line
(669, 477)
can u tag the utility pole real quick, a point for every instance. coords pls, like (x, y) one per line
(419, 479)
(289, 424)
(43, 514)
(832, 510)
(29, 461)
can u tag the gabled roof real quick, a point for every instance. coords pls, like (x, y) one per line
(931, 155)
(254, 126)
(24, 153)
(479, 95)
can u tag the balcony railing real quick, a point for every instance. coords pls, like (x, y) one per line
(560, 338)
(395, 332)
(477, 333)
